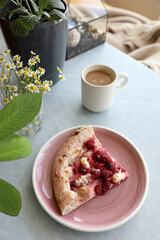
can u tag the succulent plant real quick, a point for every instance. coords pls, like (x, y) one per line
(26, 14)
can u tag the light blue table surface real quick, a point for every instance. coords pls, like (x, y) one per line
(135, 113)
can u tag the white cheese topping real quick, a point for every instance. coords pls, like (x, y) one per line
(83, 180)
(85, 163)
(117, 177)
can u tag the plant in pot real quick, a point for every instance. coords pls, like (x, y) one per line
(36, 25)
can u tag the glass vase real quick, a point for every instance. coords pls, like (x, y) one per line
(34, 126)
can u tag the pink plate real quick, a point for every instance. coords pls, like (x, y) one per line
(101, 213)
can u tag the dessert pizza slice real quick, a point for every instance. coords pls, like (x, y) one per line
(83, 169)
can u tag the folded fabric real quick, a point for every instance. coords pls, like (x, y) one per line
(135, 35)
(132, 33)
(148, 55)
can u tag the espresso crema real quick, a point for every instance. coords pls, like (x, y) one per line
(98, 78)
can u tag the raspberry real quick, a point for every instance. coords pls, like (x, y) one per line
(100, 166)
(95, 173)
(98, 190)
(110, 166)
(73, 184)
(106, 157)
(74, 170)
(91, 162)
(97, 156)
(105, 174)
(90, 144)
(107, 186)
(82, 169)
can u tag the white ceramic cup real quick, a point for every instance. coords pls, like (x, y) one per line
(99, 98)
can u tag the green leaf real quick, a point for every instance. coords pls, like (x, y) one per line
(46, 14)
(17, 29)
(58, 4)
(10, 199)
(14, 147)
(34, 5)
(8, 138)
(57, 15)
(18, 11)
(29, 21)
(19, 112)
(3, 3)
(43, 3)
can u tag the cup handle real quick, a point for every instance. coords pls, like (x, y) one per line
(124, 80)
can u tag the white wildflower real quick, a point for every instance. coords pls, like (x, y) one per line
(16, 58)
(3, 76)
(33, 53)
(19, 64)
(61, 77)
(8, 66)
(59, 70)
(41, 71)
(31, 87)
(7, 51)
(14, 95)
(13, 88)
(31, 62)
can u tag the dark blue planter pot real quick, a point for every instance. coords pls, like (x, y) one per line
(48, 40)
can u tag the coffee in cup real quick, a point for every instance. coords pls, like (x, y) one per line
(98, 83)
(98, 78)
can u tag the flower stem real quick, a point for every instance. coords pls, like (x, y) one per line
(2, 91)
(10, 59)
(55, 83)
(49, 75)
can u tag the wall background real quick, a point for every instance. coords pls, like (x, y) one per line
(147, 8)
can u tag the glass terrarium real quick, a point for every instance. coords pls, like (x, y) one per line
(87, 26)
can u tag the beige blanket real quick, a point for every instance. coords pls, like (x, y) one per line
(135, 35)
(132, 33)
